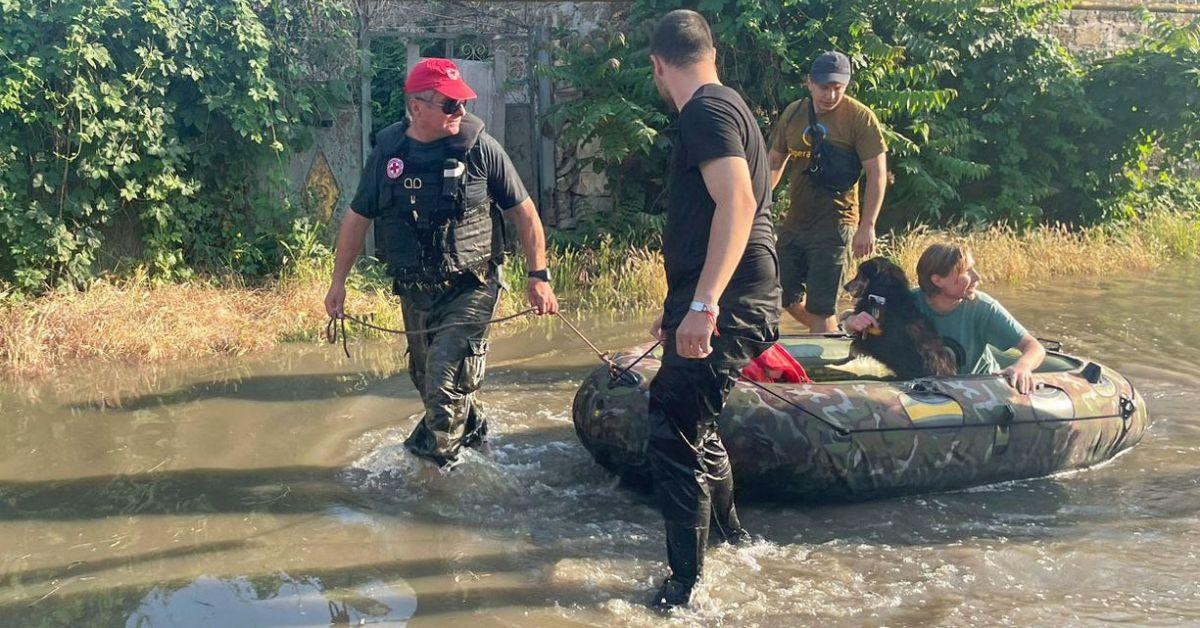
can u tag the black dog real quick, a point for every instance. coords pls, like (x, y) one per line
(905, 340)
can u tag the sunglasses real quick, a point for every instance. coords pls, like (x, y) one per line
(449, 106)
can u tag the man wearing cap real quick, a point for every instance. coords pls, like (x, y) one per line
(831, 138)
(435, 185)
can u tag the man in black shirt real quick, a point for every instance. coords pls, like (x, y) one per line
(723, 296)
(434, 185)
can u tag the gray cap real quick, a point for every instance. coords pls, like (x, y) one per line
(831, 67)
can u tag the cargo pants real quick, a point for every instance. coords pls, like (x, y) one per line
(447, 366)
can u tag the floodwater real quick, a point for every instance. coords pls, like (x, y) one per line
(274, 490)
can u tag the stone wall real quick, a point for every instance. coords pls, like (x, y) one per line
(1102, 31)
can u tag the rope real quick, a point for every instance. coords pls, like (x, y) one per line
(337, 326)
(602, 355)
(619, 376)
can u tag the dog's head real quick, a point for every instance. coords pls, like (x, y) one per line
(877, 272)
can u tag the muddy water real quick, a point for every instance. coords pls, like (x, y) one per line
(273, 490)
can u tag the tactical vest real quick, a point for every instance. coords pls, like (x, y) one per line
(428, 231)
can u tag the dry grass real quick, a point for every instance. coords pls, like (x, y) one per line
(602, 278)
(136, 320)
(1006, 256)
(139, 320)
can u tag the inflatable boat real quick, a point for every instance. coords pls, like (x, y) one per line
(855, 432)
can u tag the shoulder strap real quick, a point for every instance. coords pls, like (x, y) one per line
(792, 118)
(817, 135)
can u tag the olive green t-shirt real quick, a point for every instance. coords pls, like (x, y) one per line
(969, 328)
(851, 126)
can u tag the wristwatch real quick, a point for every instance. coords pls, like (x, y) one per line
(543, 274)
(700, 306)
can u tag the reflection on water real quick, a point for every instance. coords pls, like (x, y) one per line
(274, 490)
(275, 600)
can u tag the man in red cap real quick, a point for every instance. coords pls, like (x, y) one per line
(435, 185)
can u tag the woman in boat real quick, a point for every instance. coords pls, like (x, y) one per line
(967, 318)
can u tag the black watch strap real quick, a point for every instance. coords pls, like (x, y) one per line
(543, 274)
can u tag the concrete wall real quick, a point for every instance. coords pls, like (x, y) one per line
(325, 175)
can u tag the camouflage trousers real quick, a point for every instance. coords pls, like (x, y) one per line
(447, 366)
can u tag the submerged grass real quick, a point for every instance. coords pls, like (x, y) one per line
(136, 319)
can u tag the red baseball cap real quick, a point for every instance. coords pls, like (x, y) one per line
(440, 75)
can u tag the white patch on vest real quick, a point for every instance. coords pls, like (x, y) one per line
(395, 167)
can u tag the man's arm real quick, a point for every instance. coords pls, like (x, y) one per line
(728, 182)
(533, 243)
(349, 244)
(776, 161)
(1020, 374)
(864, 239)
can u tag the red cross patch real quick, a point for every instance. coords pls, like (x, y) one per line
(395, 167)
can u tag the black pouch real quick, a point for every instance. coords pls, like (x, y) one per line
(830, 168)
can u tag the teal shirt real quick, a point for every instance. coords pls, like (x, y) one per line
(971, 327)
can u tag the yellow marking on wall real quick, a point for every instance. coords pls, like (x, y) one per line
(321, 188)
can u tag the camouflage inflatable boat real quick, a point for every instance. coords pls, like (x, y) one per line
(854, 433)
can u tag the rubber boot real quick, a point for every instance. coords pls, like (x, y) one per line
(724, 513)
(685, 556)
(730, 528)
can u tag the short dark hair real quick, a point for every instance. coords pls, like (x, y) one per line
(681, 38)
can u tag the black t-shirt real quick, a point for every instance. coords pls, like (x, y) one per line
(716, 123)
(490, 172)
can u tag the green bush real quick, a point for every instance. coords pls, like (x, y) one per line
(1145, 153)
(388, 65)
(174, 116)
(988, 118)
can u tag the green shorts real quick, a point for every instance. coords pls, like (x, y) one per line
(812, 268)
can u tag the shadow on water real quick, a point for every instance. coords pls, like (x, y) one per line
(266, 388)
(1035, 509)
(305, 388)
(272, 490)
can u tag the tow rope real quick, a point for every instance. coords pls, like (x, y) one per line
(336, 327)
